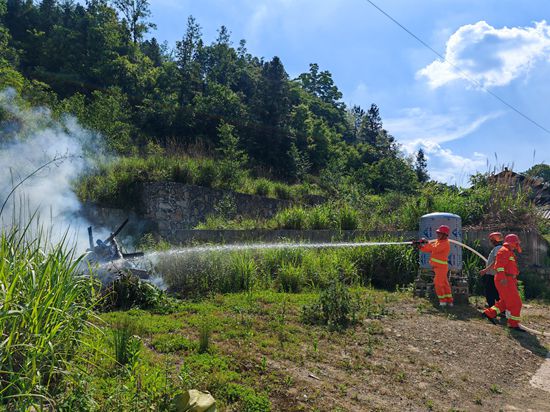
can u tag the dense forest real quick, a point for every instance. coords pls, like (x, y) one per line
(99, 62)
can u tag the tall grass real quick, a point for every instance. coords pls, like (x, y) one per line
(289, 270)
(116, 184)
(44, 308)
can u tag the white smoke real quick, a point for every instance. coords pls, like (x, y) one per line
(47, 155)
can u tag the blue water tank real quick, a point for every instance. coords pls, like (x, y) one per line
(429, 224)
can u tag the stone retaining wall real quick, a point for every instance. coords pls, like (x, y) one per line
(175, 207)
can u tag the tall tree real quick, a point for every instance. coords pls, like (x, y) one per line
(188, 54)
(371, 125)
(421, 167)
(135, 13)
(355, 116)
(153, 50)
(271, 142)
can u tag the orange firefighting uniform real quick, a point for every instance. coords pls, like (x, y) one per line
(439, 251)
(507, 285)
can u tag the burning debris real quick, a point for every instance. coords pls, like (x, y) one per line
(108, 261)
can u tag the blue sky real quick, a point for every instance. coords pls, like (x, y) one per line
(504, 45)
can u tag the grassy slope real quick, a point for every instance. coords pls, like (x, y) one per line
(404, 355)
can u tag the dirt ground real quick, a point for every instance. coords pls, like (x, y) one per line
(419, 358)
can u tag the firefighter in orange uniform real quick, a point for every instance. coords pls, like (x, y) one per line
(506, 281)
(439, 255)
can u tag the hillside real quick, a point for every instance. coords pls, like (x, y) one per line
(404, 355)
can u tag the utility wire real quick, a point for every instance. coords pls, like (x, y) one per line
(460, 71)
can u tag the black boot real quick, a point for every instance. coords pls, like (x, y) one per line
(493, 321)
(517, 329)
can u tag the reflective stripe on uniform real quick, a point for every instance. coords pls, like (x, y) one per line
(438, 261)
(512, 258)
(500, 269)
(497, 310)
(515, 318)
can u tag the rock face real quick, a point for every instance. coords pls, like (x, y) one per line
(175, 207)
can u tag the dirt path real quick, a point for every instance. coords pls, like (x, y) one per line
(420, 359)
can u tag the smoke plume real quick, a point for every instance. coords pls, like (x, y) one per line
(44, 156)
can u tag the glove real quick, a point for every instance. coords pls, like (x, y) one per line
(419, 243)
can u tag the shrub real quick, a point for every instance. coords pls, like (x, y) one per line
(335, 307)
(184, 172)
(384, 266)
(319, 218)
(128, 291)
(294, 218)
(241, 274)
(348, 218)
(290, 278)
(207, 174)
(263, 187)
(283, 191)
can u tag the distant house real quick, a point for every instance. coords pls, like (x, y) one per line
(539, 189)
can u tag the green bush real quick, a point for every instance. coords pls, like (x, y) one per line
(294, 219)
(184, 172)
(384, 266)
(319, 217)
(207, 174)
(283, 191)
(128, 291)
(348, 218)
(242, 272)
(290, 278)
(263, 187)
(291, 270)
(335, 307)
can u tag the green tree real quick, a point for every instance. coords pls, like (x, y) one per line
(232, 158)
(217, 103)
(135, 13)
(371, 125)
(271, 141)
(541, 170)
(389, 174)
(421, 167)
(299, 163)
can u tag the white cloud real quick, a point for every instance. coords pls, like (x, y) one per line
(290, 17)
(490, 56)
(418, 125)
(446, 166)
(418, 128)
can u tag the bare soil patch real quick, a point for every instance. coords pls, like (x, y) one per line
(417, 358)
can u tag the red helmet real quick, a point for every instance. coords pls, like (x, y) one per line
(512, 239)
(444, 229)
(496, 236)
